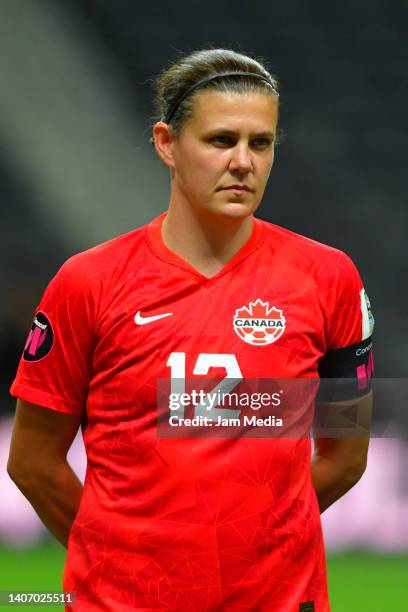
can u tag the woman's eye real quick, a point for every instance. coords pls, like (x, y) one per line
(261, 143)
(222, 140)
(229, 141)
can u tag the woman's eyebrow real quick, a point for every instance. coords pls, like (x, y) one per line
(229, 132)
(265, 134)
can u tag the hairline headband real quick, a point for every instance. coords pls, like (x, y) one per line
(170, 113)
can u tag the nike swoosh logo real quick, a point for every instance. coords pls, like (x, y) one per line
(139, 320)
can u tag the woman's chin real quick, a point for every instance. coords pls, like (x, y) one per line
(236, 210)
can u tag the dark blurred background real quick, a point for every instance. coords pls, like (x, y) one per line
(76, 168)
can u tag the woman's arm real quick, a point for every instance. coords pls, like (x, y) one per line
(38, 465)
(339, 462)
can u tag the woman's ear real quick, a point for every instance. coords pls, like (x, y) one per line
(163, 138)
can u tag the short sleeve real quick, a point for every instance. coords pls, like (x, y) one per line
(55, 367)
(349, 325)
(346, 307)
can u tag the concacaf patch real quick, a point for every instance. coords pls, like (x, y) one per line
(367, 316)
(40, 339)
(259, 324)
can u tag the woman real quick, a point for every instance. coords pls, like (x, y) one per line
(206, 289)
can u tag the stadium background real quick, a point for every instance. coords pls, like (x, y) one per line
(76, 168)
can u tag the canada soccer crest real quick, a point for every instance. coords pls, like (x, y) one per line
(259, 324)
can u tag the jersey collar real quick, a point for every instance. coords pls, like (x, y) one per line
(155, 240)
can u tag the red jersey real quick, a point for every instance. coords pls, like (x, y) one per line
(189, 524)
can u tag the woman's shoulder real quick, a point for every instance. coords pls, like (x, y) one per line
(106, 261)
(108, 254)
(291, 243)
(305, 254)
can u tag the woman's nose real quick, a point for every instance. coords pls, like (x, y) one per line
(241, 159)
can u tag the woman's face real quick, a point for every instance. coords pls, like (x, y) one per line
(222, 158)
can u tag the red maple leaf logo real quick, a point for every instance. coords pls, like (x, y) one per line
(258, 310)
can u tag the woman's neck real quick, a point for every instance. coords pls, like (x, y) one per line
(206, 241)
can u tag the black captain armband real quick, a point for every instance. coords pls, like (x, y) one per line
(346, 373)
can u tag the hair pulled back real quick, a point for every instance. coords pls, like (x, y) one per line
(175, 82)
